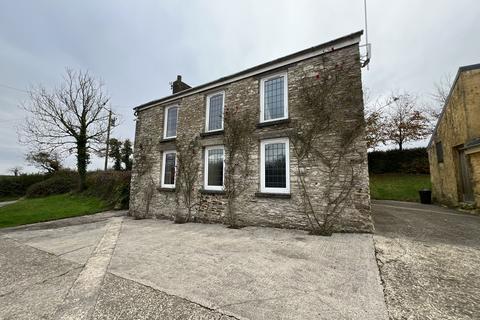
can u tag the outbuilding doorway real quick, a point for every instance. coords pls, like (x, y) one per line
(465, 177)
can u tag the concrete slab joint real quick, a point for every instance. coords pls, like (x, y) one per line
(80, 300)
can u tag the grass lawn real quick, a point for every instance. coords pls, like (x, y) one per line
(402, 187)
(49, 208)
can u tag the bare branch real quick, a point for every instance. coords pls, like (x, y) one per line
(406, 120)
(71, 118)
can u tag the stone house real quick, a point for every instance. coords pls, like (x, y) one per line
(272, 195)
(454, 148)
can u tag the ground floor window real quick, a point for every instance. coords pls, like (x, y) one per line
(168, 169)
(214, 167)
(275, 166)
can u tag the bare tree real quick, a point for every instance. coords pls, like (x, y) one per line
(442, 89)
(406, 120)
(16, 171)
(439, 96)
(49, 162)
(374, 129)
(375, 119)
(72, 118)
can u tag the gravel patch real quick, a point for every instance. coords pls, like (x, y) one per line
(427, 271)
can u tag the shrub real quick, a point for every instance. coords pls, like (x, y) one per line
(11, 186)
(59, 183)
(408, 161)
(111, 186)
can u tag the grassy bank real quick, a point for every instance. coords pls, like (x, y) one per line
(49, 208)
(402, 187)
(8, 198)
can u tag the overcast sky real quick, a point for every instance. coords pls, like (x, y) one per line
(138, 47)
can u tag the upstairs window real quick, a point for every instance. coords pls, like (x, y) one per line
(274, 98)
(168, 169)
(215, 106)
(275, 166)
(439, 150)
(214, 167)
(170, 125)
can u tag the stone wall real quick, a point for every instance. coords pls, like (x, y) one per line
(459, 124)
(253, 208)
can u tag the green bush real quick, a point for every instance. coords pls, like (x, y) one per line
(111, 186)
(59, 183)
(409, 161)
(12, 187)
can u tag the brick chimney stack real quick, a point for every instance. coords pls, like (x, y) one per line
(178, 85)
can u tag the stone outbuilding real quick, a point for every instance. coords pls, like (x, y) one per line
(284, 183)
(454, 148)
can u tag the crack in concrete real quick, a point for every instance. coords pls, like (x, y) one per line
(39, 282)
(303, 293)
(216, 310)
(27, 245)
(380, 265)
(77, 249)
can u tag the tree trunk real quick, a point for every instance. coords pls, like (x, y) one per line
(82, 159)
(400, 145)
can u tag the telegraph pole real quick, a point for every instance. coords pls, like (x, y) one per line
(108, 137)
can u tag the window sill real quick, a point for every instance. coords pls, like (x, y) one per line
(163, 189)
(273, 195)
(212, 133)
(165, 140)
(272, 123)
(204, 191)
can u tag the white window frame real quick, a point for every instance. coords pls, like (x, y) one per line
(205, 171)
(165, 119)
(264, 189)
(163, 184)
(208, 110)
(285, 96)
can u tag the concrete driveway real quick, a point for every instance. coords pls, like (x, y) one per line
(429, 258)
(119, 268)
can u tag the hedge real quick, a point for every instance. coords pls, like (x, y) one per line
(11, 186)
(111, 186)
(59, 183)
(408, 161)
